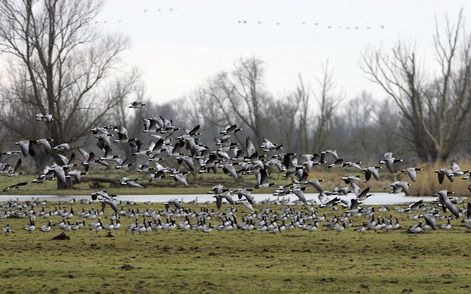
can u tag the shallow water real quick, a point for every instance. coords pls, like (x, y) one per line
(375, 199)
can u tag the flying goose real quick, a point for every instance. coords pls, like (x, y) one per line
(389, 160)
(262, 179)
(16, 171)
(230, 129)
(14, 187)
(130, 183)
(106, 199)
(412, 172)
(446, 203)
(179, 177)
(245, 193)
(136, 104)
(44, 117)
(400, 186)
(371, 171)
(64, 147)
(122, 133)
(269, 146)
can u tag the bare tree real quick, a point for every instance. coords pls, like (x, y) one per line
(433, 112)
(63, 65)
(327, 100)
(302, 97)
(238, 97)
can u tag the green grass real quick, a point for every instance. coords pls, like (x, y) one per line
(235, 262)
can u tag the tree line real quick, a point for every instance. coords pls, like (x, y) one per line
(61, 65)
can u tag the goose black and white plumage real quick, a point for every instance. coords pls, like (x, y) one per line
(446, 203)
(400, 186)
(106, 199)
(371, 171)
(179, 177)
(16, 171)
(14, 187)
(136, 104)
(412, 172)
(64, 147)
(130, 183)
(262, 179)
(44, 117)
(390, 161)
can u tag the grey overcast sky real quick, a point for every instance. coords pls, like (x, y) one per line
(178, 44)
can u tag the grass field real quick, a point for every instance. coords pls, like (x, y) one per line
(235, 262)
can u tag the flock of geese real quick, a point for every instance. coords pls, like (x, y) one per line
(173, 152)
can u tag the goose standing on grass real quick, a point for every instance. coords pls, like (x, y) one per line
(416, 229)
(446, 226)
(46, 228)
(30, 227)
(6, 229)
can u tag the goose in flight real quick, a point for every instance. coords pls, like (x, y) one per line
(262, 179)
(130, 183)
(230, 129)
(353, 164)
(14, 187)
(371, 171)
(16, 171)
(122, 133)
(269, 146)
(446, 202)
(333, 153)
(400, 186)
(390, 160)
(31, 226)
(25, 146)
(136, 104)
(105, 199)
(64, 147)
(416, 205)
(44, 117)
(455, 170)
(412, 172)
(245, 193)
(179, 177)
